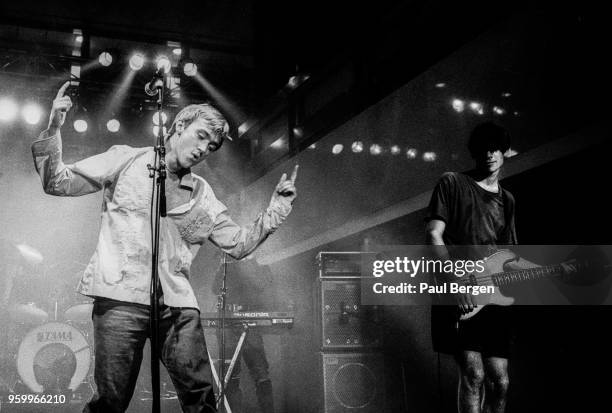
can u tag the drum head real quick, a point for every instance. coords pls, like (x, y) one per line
(80, 313)
(53, 357)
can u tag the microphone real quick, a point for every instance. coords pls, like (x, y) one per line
(156, 83)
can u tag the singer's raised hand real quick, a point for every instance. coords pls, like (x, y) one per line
(61, 105)
(286, 187)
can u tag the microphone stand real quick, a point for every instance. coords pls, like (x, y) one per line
(221, 308)
(158, 209)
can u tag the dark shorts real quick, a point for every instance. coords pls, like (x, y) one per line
(490, 332)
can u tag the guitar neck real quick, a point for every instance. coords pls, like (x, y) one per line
(537, 273)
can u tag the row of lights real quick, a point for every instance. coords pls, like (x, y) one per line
(9, 110)
(81, 125)
(32, 113)
(376, 149)
(460, 105)
(138, 60)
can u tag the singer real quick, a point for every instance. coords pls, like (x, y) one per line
(119, 272)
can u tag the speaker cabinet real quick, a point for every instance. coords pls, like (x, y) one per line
(344, 322)
(353, 382)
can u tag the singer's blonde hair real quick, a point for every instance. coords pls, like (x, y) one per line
(215, 120)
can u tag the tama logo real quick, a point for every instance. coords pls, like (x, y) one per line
(45, 336)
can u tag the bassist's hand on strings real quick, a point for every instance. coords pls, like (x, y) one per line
(466, 302)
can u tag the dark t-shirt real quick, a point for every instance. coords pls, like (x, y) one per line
(473, 216)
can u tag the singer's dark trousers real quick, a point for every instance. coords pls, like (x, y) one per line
(120, 332)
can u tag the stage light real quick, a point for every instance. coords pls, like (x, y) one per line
(411, 153)
(156, 130)
(337, 148)
(190, 69)
(506, 94)
(243, 128)
(105, 59)
(296, 80)
(313, 146)
(31, 113)
(375, 149)
(429, 156)
(357, 146)
(156, 118)
(510, 153)
(279, 143)
(458, 105)
(395, 150)
(113, 125)
(79, 39)
(80, 125)
(498, 110)
(177, 51)
(298, 132)
(137, 61)
(163, 62)
(440, 85)
(516, 113)
(8, 110)
(477, 108)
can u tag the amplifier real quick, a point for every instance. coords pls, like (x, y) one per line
(343, 322)
(341, 264)
(353, 383)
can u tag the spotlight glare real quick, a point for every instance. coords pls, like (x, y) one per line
(440, 85)
(32, 113)
(395, 150)
(177, 51)
(506, 94)
(510, 153)
(429, 156)
(357, 147)
(79, 39)
(190, 69)
(136, 61)
(279, 143)
(498, 110)
(477, 108)
(113, 125)
(105, 59)
(411, 153)
(156, 130)
(313, 146)
(458, 105)
(163, 63)
(156, 118)
(298, 132)
(375, 149)
(8, 110)
(80, 125)
(337, 148)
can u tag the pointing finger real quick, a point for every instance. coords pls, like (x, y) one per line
(60, 93)
(294, 173)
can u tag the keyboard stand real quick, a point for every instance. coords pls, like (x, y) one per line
(218, 383)
(228, 374)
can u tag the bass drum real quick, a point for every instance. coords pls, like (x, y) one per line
(53, 357)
